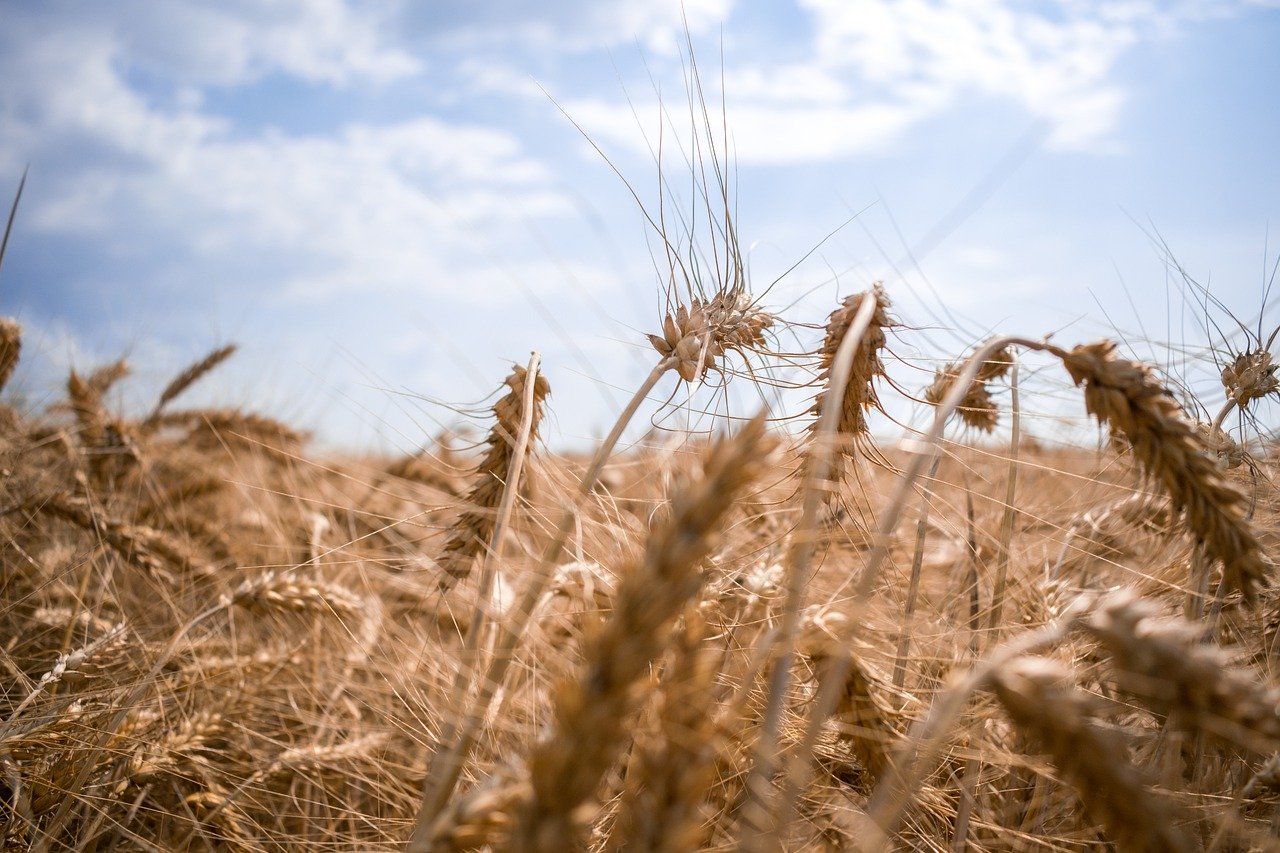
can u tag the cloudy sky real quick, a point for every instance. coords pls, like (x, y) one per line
(387, 203)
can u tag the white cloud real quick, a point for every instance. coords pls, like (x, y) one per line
(226, 42)
(401, 204)
(867, 72)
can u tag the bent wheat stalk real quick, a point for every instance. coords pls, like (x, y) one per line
(442, 775)
(756, 813)
(1037, 696)
(923, 452)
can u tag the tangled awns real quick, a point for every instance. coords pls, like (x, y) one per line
(753, 638)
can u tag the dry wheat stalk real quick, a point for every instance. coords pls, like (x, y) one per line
(1037, 695)
(1166, 663)
(184, 380)
(865, 367)
(590, 714)
(471, 532)
(1129, 397)
(10, 349)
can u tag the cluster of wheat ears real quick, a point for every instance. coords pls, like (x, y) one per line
(756, 639)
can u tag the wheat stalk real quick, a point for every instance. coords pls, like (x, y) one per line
(590, 713)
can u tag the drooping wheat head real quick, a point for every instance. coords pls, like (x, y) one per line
(1127, 396)
(1037, 695)
(1167, 664)
(867, 365)
(978, 408)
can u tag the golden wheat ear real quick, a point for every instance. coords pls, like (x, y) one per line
(471, 532)
(865, 367)
(1038, 697)
(1127, 396)
(10, 349)
(591, 713)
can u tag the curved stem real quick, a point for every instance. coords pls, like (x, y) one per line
(915, 756)
(442, 775)
(1218, 420)
(1010, 511)
(923, 452)
(756, 822)
(913, 584)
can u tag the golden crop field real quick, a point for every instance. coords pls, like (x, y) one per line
(781, 633)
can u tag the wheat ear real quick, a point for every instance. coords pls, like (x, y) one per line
(1166, 663)
(977, 407)
(1037, 696)
(461, 734)
(662, 806)
(474, 528)
(10, 349)
(590, 713)
(865, 366)
(184, 380)
(1128, 397)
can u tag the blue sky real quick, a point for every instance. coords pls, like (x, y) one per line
(388, 203)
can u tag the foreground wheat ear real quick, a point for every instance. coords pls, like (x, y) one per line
(1038, 697)
(471, 532)
(1128, 397)
(591, 712)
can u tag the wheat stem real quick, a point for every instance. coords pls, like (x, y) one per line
(442, 775)
(800, 557)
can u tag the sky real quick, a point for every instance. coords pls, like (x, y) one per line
(387, 204)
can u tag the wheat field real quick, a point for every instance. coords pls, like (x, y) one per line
(764, 639)
(779, 632)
